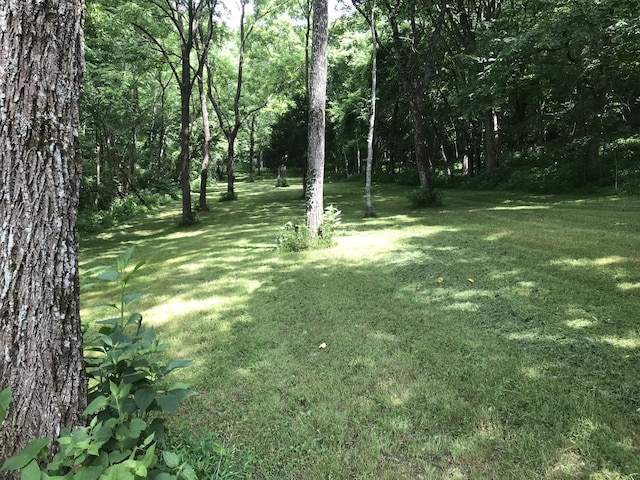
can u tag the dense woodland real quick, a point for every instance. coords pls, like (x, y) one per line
(526, 94)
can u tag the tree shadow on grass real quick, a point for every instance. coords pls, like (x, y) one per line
(448, 353)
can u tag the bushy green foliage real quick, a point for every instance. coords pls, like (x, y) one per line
(294, 238)
(422, 199)
(125, 437)
(297, 237)
(92, 221)
(188, 455)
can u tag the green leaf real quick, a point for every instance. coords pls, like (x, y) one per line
(175, 364)
(134, 319)
(28, 453)
(120, 471)
(88, 473)
(118, 456)
(178, 385)
(171, 459)
(31, 471)
(182, 393)
(97, 404)
(164, 476)
(127, 299)
(149, 456)
(168, 403)
(137, 427)
(123, 259)
(189, 473)
(109, 276)
(144, 397)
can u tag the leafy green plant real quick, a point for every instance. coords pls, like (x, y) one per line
(190, 455)
(294, 238)
(126, 370)
(421, 199)
(330, 222)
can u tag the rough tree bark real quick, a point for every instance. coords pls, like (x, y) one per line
(316, 133)
(41, 67)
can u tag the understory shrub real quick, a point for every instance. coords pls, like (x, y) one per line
(121, 208)
(422, 199)
(297, 237)
(128, 400)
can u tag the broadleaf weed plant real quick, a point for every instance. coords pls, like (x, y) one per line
(297, 237)
(125, 436)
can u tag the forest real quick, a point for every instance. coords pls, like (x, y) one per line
(480, 93)
(166, 313)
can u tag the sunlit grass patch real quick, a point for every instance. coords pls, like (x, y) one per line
(495, 337)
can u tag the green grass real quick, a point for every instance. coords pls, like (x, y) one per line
(496, 337)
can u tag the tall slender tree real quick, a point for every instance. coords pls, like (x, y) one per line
(416, 29)
(187, 17)
(41, 47)
(372, 113)
(317, 110)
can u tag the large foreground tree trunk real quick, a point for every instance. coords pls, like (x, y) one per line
(316, 134)
(41, 47)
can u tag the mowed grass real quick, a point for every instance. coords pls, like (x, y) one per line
(494, 338)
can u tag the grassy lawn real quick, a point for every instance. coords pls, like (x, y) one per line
(494, 338)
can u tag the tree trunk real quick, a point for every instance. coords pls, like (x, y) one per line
(307, 65)
(491, 140)
(231, 176)
(419, 140)
(316, 131)
(204, 168)
(185, 133)
(40, 336)
(252, 146)
(372, 116)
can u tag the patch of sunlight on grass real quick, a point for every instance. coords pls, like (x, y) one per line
(471, 294)
(463, 307)
(620, 342)
(395, 394)
(374, 245)
(184, 234)
(589, 262)
(243, 372)
(532, 372)
(168, 311)
(524, 288)
(579, 323)
(505, 274)
(383, 337)
(521, 207)
(569, 464)
(494, 237)
(626, 286)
